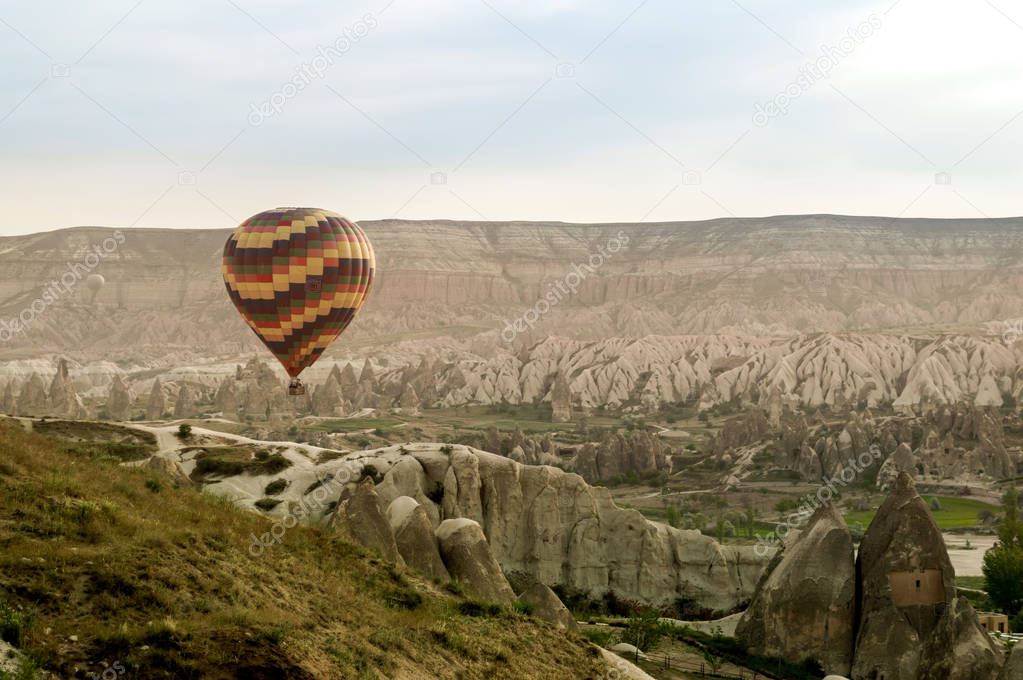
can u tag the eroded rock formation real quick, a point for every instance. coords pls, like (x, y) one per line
(359, 512)
(156, 405)
(898, 601)
(910, 624)
(184, 405)
(119, 400)
(553, 526)
(32, 399)
(415, 538)
(547, 606)
(471, 562)
(804, 607)
(63, 398)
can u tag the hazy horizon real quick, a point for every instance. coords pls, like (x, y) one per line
(650, 223)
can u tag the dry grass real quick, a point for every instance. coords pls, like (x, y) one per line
(161, 580)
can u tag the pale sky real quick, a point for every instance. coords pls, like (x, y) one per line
(142, 113)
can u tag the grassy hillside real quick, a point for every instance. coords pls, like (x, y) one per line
(106, 567)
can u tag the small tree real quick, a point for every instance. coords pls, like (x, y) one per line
(714, 661)
(644, 630)
(1011, 530)
(1003, 574)
(184, 431)
(1003, 564)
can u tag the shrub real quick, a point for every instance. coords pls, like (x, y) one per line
(644, 630)
(154, 485)
(320, 481)
(271, 465)
(474, 608)
(267, 504)
(370, 472)
(604, 636)
(184, 431)
(786, 504)
(12, 625)
(275, 487)
(524, 608)
(436, 494)
(404, 598)
(211, 465)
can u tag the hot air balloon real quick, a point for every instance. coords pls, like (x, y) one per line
(298, 276)
(94, 282)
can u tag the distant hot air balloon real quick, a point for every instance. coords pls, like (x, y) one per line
(94, 282)
(298, 276)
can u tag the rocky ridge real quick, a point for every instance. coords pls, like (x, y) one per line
(572, 377)
(537, 520)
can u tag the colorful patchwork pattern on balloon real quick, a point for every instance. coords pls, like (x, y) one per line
(298, 276)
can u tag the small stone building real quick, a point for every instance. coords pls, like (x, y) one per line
(994, 623)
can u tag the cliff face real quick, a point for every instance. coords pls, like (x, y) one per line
(538, 521)
(780, 275)
(640, 314)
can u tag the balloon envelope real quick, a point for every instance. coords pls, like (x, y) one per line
(94, 282)
(298, 276)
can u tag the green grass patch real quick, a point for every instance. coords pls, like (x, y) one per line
(955, 513)
(229, 461)
(974, 582)
(343, 425)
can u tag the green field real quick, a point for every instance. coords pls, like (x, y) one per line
(974, 582)
(385, 423)
(532, 419)
(955, 513)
